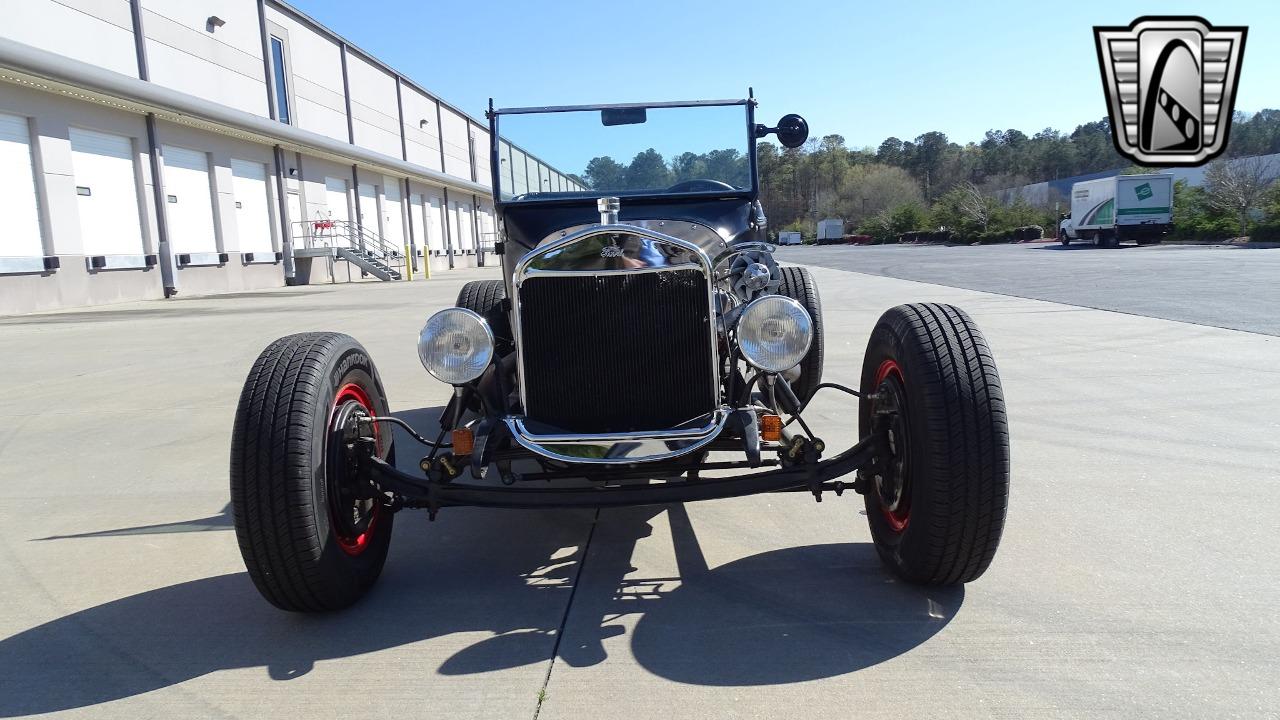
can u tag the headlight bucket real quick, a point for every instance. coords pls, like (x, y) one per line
(455, 345)
(774, 333)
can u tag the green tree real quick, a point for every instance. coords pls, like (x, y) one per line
(868, 190)
(930, 150)
(1237, 187)
(648, 171)
(892, 152)
(728, 166)
(605, 173)
(1194, 217)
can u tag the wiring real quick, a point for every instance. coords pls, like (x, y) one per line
(835, 386)
(409, 428)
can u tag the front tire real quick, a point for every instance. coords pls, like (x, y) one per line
(937, 504)
(309, 541)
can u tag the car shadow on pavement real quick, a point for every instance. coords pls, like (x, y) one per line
(775, 617)
(472, 570)
(783, 616)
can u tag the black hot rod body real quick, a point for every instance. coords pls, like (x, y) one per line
(642, 346)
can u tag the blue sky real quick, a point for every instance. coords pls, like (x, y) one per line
(865, 71)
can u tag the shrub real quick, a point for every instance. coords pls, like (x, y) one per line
(992, 237)
(1266, 232)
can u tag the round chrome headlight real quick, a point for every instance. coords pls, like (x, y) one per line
(455, 345)
(774, 333)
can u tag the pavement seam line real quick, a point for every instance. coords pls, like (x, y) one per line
(564, 619)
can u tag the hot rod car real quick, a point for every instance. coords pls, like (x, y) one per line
(641, 347)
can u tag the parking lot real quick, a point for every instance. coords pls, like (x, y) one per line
(1234, 287)
(1136, 578)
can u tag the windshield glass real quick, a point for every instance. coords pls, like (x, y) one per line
(623, 151)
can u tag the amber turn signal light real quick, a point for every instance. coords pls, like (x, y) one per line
(770, 428)
(463, 441)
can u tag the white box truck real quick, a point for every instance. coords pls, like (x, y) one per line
(789, 237)
(830, 231)
(1110, 210)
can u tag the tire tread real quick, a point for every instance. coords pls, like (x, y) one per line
(797, 284)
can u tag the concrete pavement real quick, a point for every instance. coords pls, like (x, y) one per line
(1135, 578)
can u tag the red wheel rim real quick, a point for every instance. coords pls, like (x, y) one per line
(899, 517)
(352, 543)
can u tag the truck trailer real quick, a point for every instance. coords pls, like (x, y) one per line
(830, 231)
(1108, 211)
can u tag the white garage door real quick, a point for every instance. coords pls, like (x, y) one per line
(107, 190)
(188, 200)
(392, 219)
(369, 207)
(335, 197)
(253, 221)
(416, 220)
(18, 204)
(487, 235)
(463, 240)
(435, 226)
(295, 211)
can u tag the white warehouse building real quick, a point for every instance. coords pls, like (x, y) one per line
(158, 147)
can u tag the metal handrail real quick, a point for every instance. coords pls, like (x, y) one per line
(333, 234)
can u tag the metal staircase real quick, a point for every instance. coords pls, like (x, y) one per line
(346, 240)
(369, 263)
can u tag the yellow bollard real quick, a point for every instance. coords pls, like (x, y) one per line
(426, 263)
(408, 263)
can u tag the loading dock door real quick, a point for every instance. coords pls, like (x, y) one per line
(253, 221)
(369, 208)
(335, 197)
(107, 190)
(188, 200)
(464, 239)
(435, 225)
(487, 235)
(18, 204)
(295, 213)
(416, 214)
(392, 217)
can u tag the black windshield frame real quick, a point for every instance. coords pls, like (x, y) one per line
(496, 140)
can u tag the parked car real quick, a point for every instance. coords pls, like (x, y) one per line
(633, 331)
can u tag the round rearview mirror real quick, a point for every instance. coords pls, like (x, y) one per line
(792, 130)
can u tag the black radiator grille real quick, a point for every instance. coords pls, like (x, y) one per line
(617, 353)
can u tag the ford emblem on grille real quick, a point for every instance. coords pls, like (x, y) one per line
(610, 251)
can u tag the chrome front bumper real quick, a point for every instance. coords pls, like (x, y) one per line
(619, 448)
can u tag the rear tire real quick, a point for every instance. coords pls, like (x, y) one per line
(941, 513)
(308, 544)
(798, 284)
(482, 296)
